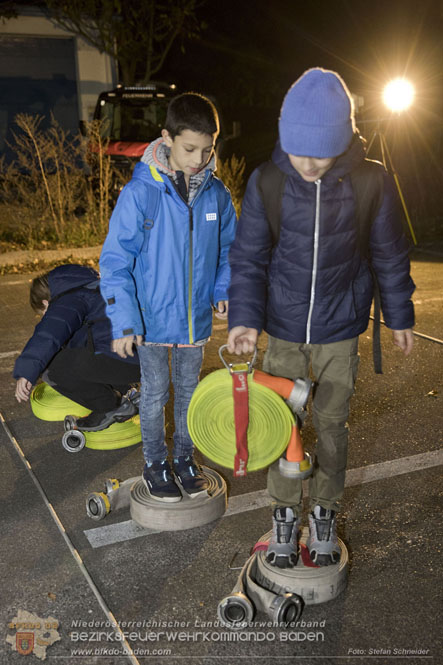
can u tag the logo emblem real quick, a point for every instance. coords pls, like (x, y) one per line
(24, 643)
(33, 634)
(211, 216)
(243, 385)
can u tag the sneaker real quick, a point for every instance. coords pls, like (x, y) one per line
(322, 543)
(97, 421)
(282, 549)
(160, 483)
(91, 422)
(133, 395)
(190, 476)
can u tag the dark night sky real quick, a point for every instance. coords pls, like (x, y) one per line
(251, 46)
(253, 50)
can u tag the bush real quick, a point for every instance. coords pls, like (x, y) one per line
(48, 195)
(231, 171)
(60, 189)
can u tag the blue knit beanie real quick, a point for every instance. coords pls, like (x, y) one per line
(317, 115)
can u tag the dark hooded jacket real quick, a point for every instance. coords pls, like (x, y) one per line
(75, 318)
(315, 286)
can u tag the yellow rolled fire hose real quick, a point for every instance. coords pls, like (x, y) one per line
(212, 427)
(48, 404)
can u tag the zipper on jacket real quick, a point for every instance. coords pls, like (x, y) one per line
(191, 259)
(314, 261)
(191, 267)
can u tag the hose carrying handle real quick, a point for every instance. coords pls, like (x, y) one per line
(240, 367)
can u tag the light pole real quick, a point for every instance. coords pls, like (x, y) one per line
(398, 95)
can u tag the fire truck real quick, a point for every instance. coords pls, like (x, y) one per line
(131, 117)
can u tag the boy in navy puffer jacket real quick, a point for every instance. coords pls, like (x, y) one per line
(312, 293)
(163, 268)
(70, 347)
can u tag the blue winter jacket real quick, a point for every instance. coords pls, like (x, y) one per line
(76, 306)
(314, 286)
(161, 276)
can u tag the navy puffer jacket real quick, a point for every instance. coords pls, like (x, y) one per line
(75, 302)
(315, 286)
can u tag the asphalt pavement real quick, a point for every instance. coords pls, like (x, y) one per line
(72, 588)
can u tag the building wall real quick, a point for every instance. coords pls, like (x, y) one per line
(45, 69)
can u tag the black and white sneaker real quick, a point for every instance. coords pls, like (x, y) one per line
(160, 482)
(322, 543)
(190, 476)
(283, 546)
(97, 421)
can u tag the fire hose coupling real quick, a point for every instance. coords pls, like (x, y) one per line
(295, 393)
(296, 463)
(299, 396)
(238, 609)
(299, 470)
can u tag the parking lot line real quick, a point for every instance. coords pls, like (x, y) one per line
(121, 531)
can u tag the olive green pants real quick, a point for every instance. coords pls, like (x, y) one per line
(334, 367)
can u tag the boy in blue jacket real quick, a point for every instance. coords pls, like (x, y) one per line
(70, 347)
(312, 292)
(164, 266)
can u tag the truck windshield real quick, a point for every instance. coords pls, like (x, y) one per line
(137, 118)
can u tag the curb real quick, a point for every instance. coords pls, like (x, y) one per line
(48, 255)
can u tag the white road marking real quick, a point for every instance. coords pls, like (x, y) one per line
(8, 354)
(119, 635)
(22, 281)
(121, 531)
(422, 302)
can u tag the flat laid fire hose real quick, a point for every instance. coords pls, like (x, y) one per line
(239, 422)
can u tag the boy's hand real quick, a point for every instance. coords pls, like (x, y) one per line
(242, 340)
(222, 310)
(404, 339)
(124, 346)
(23, 389)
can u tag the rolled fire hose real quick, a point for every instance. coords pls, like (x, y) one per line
(212, 427)
(226, 404)
(161, 516)
(185, 514)
(281, 592)
(315, 584)
(48, 404)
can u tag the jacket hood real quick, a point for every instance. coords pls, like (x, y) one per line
(145, 172)
(344, 163)
(157, 155)
(68, 277)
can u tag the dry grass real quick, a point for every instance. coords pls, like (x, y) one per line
(49, 196)
(231, 171)
(57, 193)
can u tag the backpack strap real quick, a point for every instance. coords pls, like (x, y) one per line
(367, 182)
(270, 184)
(152, 205)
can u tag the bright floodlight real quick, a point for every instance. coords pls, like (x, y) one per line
(398, 95)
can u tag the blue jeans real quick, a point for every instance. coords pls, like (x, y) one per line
(154, 366)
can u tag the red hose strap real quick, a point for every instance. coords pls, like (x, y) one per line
(241, 419)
